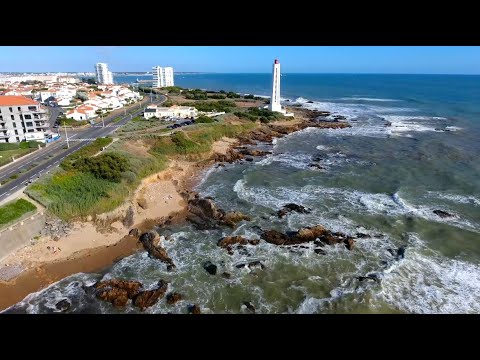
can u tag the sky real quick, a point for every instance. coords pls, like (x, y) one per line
(246, 59)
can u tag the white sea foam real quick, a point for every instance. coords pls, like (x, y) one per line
(433, 284)
(462, 199)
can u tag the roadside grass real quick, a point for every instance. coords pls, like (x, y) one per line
(6, 156)
(15, 210)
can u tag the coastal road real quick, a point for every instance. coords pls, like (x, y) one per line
(50, 157)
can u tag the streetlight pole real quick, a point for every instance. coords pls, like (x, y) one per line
(66, 135)
(103, 123)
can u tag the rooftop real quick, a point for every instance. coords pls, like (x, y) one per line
(7, 100)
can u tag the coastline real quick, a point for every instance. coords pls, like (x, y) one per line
(92, 247)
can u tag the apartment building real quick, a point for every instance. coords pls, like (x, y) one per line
(104, 76)
(162, 76)
(21, 119)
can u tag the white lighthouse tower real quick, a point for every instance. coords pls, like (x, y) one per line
(275, 99)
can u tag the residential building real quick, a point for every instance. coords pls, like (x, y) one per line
(78, 114)
(21, 119)
(162, 76)
(173, 111)
(104, 76)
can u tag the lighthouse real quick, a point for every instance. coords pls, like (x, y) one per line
(275, 99)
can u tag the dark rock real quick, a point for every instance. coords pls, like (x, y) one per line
(210, 268)
(309, 102)
(226, 275)
(315, 166)
(134, 232)
(443, 214)
(132, 288)
(391, 252)
(373, 277)
(240, 266)
(361, 235)
(249, 306)
(320, 251)
(254, 242)
(170, 267)
(149, 239)
(292, 207)
(252, 152)
(349, 243)
(308, 234)
(232, 218)
(254, 264)
(173, 297)
(248, 158)
(401, 252)
(231, 240)
(63, 305)
(150, 297)
(194, 309)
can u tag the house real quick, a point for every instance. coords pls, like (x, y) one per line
(77, 115)
(173, 111)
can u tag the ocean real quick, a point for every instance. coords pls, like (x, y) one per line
(412, 149)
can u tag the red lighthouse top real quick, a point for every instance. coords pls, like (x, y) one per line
(276, 61)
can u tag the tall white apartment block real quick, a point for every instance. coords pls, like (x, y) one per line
(162, 76)
(275, 99)
(103, 75)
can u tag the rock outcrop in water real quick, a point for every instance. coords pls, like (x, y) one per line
(210, 267)
(63, 305)
(443, 214)
(117, 292)
(151, 243)
(194, 309)
(206, 215)
(231, 240)
(173, 298)
(288, 208)
(249, 306)
(150, 297)
(308, 234)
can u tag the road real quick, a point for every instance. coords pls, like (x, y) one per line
(50, 157)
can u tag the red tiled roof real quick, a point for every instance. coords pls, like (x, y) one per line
(8, 100)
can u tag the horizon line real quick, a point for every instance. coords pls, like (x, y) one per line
(211, 72)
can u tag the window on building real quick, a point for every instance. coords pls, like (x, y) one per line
(31, 130)
(18, 108)
(1, 117)
(18, 139)
(29, 123)
(16, 132)
(12, 117)
(28, 117)
(11, 110)
(14, 124)
(32, 108)
(21, 117)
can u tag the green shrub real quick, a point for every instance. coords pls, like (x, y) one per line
(106, 166)
(220, 105)
(86, 151)
(217, 96)
(233, 95)
(203, 119)
(250, 96)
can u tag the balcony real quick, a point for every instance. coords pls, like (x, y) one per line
(41, 125)
(4, 136)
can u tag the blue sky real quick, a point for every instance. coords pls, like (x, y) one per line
(294, 59)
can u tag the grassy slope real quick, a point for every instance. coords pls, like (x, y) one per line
(71, 194)
(6, 156)
(15, 210)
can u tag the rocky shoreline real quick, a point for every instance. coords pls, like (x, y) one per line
(204, 214)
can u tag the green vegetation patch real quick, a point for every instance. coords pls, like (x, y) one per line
(220, 105)
(15, 210)
(87, 151)
(254, 114)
